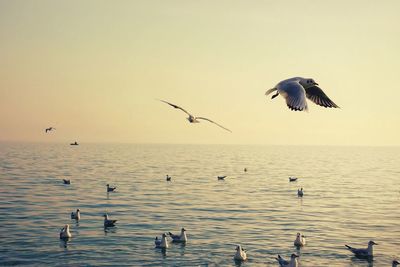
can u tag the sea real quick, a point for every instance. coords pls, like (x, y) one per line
(351, 196)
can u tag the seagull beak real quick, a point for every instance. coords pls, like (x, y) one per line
(316, 83)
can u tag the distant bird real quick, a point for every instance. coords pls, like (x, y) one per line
(284, 263)
(193, 119)
(110, 188)
(108, 222)
(295, 90)
(221, 177)
(49, 129)
(245, 169)
(161, 243)
(300, 192)
(363, 252)
(65, 233)
(74, 144)
(292, 179)
(168, 178)
(395, 263)
(240, 254)
(182, 238)
(76, 215)
(66, 181)
(300, 240)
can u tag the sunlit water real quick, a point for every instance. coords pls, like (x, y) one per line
(351, 196)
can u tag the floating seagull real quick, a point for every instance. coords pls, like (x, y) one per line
(292, 179)
(193, 119)
(221, 177)
(395, 263)
(49, 129)
(182, 238)
(74, 144)
(66, 181)
(284, 263)
(65, 233)
(300, 192)
(108, 222)
(110, 188)
(168, 178)
(245, 169)
(240, 254)
(295, 90)
(300, 240)
(161, 243)
(76, 215)
(363, 252)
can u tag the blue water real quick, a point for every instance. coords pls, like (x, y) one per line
(352, 195)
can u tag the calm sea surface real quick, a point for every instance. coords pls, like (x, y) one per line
(352, 195)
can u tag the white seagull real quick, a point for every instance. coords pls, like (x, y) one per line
(292, 263)
(296, 90)
(240, 254)
(182, 238)
(193, 119)
(76, 215)
(161, 243)
(300, 240)
(363, 252)
(108, 222)
(65, 233)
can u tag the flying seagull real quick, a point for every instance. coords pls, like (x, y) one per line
(296, 90)
(193, 119)
(49, 129)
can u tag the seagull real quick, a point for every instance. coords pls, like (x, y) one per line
(240, 254)
(284, 263)
(296, 90)
(193, 119)
(110, 189)
(300, 240)
(395, 263)
(221, 177)
(65, 233)
(76, 215)
(363, 252)
(168, 178)
(108, 222)
(66, 181)
(300, 192)
(49, 129)
(182, 238)
(292, 179)
(161, 243)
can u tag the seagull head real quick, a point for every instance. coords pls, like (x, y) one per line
(307, 82)
(294, 256)
(238, 248)
(183, 229)
(371, 243)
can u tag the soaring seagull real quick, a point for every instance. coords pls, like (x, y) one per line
(296, 90)
(49, 129)
(193, 119)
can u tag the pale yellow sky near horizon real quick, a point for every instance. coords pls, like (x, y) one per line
(94, 69)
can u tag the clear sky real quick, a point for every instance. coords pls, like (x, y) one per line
(93, 70)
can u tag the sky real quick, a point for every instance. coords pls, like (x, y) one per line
(95, 69)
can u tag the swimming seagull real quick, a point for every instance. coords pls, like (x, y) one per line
(363, 252)
(49, 129)
(108, 222)
(193, 119)
(182, 238)
(284, 263)
(296, 90)
(76, 215)
(161, 243)
(110, 189)
(66, 181)
(300, 240)
(168, 178)
(240, 254)
(300, 192)
(221, 177)
(65, 233)
(395, 263)
(292, 179)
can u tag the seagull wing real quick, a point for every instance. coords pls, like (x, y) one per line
(175, 106)
(202, 118)
(316, 95)
(294, 95)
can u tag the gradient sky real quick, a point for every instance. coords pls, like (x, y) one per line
(93, 70)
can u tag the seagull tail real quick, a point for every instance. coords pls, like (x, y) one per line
(348, 247)
(270, 91)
